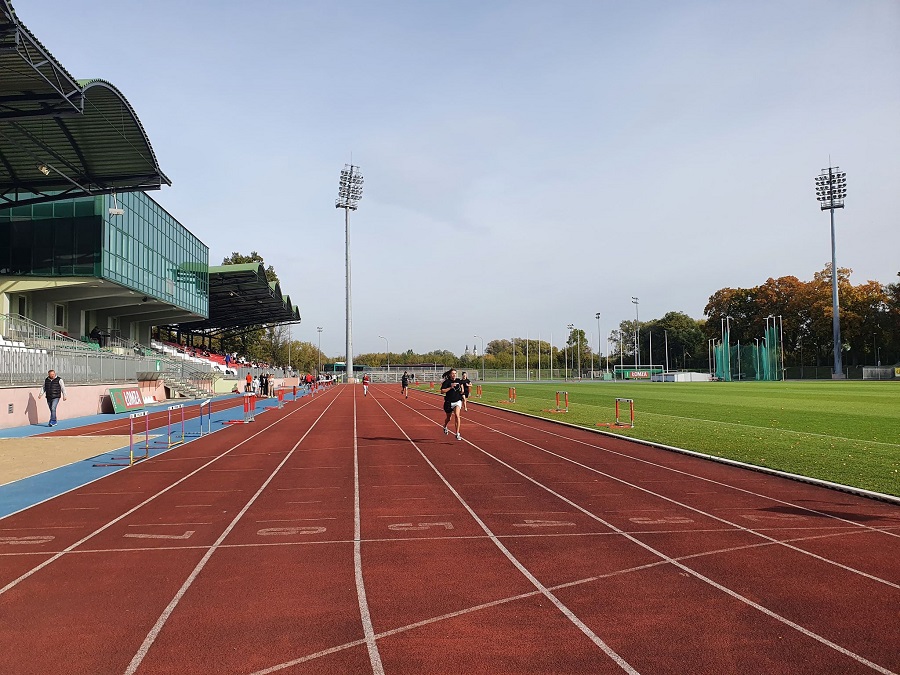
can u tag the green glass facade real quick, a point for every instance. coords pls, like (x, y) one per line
(145, 249)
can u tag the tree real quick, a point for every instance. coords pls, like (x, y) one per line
(240, 259)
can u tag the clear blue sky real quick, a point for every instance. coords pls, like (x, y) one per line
(527, 164)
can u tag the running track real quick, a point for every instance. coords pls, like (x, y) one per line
(346, 534)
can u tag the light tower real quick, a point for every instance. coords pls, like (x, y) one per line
(637, 332)
(349, 194)
(831, 188)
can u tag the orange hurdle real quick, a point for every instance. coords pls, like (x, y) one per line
(477, 391)
(617, 423)
(558, 409)
(512, 396)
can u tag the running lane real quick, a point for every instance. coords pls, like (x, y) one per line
(107, 559)
(744, 597)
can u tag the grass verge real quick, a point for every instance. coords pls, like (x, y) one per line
(843, 432)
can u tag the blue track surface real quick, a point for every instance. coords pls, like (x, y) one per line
(32, 490)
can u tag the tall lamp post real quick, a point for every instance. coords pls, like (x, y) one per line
(319, 331)
(600, 345)
(831, 189)
(349, 194)
(387, 349)
(478, 337)
(637, 332)
(571, 327)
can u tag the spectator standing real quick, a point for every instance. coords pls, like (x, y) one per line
(54, 389)
(249, 386)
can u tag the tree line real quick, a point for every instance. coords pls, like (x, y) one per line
(869, 314)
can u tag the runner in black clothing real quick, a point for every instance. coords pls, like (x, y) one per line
(404, 382)
(452, 390)
(467, 387)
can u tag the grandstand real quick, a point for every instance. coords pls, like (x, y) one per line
(84, 248)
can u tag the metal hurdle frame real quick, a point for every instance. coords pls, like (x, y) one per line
(249, 410)
(207, 403)
(168, 442)
(131, 458)
(512, 396)
(565, 399)
(478, 392)
(618, 423)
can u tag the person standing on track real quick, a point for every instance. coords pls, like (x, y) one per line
(467, 387)
(404, 383)
(366, 381)
(53, 389)
(452, 390)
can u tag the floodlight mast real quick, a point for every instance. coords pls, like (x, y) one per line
(349, 194)
(831, 189)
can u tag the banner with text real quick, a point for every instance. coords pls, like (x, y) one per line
(126, 399)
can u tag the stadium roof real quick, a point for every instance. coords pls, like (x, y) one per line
(241, 296)
(61, 137)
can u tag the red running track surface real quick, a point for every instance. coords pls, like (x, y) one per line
(348, 534)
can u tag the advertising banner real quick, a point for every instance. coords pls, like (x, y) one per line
(126, 399)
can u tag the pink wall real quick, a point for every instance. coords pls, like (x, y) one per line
(82, 400)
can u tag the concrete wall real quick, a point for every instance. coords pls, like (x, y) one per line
(82, 400)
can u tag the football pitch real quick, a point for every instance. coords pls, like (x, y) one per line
(843, 432)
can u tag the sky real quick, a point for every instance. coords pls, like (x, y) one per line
(527, 164)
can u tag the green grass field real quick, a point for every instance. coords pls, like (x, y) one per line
(844, 432)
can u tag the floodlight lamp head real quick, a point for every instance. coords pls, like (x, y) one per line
(44, 169)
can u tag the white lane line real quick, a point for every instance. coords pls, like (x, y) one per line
(687, 474)
(754, 532)
(368, 630)
(18, 580)
(662, 555)
(167, 612)
(81, 508)
(584, 628)
(737, 596)
(296, 520)
(166, 524)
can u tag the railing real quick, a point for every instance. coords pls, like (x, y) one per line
(19, 328)
(78, 363)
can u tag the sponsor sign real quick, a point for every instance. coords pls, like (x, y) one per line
(126, 399)
(639, 374)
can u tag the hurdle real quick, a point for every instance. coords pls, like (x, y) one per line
(565, 399)
(618, 423)
(512, 396)
(131, 458)
(477, 391)
(208, 405)
(249, 410)
(169, 443)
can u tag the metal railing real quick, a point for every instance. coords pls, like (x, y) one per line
(21, 329)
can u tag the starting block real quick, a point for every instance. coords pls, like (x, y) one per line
(618, 423)
(565, 400)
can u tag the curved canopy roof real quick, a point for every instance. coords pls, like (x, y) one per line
(240, 296)
(61, 137)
